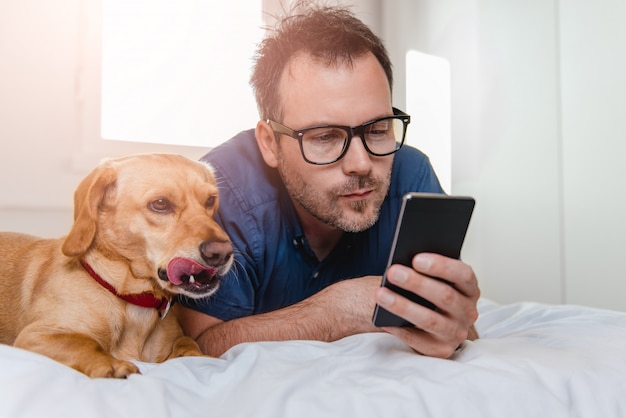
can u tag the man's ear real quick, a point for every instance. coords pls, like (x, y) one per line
(266, 140)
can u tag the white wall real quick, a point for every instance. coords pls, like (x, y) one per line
(538, 98)
(38, 118)
(538, 135)
(593, 87)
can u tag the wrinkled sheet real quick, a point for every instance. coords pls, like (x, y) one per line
(533, 360)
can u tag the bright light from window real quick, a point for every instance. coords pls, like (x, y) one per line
(177, 71)
(428, 102)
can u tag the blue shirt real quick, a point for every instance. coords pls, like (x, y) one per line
(274, 266)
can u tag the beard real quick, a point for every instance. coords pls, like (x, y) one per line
(324, 204)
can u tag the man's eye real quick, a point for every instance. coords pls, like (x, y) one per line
(325, 136)
(161, 206)
(379, 129)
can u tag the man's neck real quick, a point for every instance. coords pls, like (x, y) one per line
(322, 238)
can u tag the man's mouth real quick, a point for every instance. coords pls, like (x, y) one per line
(358, 195)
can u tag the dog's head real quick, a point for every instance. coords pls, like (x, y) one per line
(153, 212)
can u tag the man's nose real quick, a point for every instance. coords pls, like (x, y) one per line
(357, 160)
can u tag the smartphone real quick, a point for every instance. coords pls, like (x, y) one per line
(434, 223)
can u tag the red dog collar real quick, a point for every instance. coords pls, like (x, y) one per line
(146, 300)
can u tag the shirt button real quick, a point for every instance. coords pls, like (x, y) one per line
(295, 242)
(317, 273)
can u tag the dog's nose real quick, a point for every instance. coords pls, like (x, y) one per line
(216, 253)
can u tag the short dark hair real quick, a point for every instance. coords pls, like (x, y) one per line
(326, 33)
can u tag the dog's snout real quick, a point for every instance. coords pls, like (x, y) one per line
(216, 253)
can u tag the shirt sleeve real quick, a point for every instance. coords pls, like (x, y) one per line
(413, 172)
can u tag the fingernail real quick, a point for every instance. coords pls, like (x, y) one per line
(422, 262)
(399, 275)
(385, 298)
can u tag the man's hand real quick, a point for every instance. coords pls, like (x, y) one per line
(436, 333)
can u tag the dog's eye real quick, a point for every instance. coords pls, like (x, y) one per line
(210, 202)
(161, 206)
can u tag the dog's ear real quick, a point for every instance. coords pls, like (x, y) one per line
(87, 200)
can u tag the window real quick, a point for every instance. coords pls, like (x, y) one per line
(428, 102)
(177, 71)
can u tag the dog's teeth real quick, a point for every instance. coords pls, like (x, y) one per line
(192, 279)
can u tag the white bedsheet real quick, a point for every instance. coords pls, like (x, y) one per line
(532, 360)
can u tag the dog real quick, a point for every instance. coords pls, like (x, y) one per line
(143, 232)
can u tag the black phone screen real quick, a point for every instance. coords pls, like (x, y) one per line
(434, 223)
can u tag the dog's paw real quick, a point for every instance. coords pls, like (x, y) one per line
(184, 347)
(186, 351)
(114, 368)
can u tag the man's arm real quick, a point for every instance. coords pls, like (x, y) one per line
(345, 308)
(342, 309)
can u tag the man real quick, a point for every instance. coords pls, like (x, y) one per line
(310, 208)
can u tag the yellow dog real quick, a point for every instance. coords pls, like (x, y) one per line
(143, 232)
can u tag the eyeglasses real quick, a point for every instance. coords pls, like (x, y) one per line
(327, 144)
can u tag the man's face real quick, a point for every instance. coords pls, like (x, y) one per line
(346, 194)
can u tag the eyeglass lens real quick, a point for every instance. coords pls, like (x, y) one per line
(326, 144)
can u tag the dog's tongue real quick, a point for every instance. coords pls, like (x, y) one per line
(180, 267)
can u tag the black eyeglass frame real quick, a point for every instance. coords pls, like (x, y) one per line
(352, 131)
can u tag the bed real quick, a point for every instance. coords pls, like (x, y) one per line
(533, 360)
